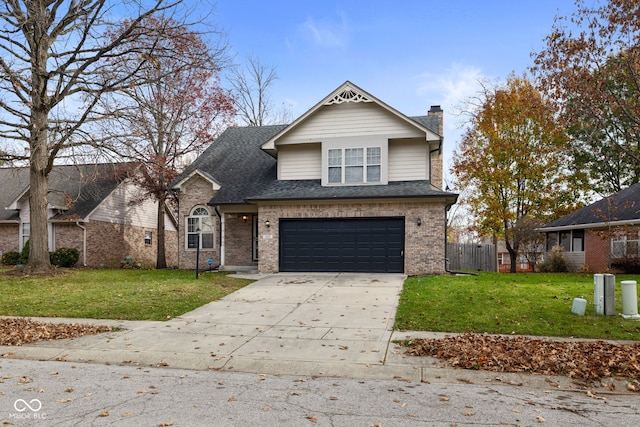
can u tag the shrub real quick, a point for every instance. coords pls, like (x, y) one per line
(11, 258)
(555, 263)
(65, 257)
(628, 265)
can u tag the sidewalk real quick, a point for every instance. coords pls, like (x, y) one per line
(332, 324)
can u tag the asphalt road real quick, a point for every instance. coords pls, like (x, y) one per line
(50, 393)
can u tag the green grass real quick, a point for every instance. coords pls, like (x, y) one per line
(527, 304)
(113, 294)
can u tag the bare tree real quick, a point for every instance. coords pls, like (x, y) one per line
(251, 87)
(53, 54)
(177, 110)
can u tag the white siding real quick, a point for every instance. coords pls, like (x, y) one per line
(408, 160)
(116, 208)
(349, 119)
(303, 161)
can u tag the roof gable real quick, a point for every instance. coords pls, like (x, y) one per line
(75, 190)
(348, 93)
(179, 183)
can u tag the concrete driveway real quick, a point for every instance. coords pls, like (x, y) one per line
(320, 323)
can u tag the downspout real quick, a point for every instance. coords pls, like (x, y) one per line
(446, 257)
(439, 150)
(446, 239)
(220, 236)
(84, 243)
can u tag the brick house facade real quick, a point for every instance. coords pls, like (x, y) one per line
(99, 218)
(351, 185)
(595, 237)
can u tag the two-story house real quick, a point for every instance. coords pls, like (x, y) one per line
(352, 185)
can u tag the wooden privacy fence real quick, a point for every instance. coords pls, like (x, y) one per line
(471, 257)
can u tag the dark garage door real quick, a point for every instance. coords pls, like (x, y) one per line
(349, 244)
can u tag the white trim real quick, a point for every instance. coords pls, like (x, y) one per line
(590, 225)
(270, 145)
(214, 184)
(222, 239)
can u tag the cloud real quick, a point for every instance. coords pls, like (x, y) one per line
(326, 33)
(452, 86)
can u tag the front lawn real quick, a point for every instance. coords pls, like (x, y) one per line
(112, 294)
(523, 304)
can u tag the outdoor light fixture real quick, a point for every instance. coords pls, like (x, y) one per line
(267, 223)
(244, 218)
(419, 221)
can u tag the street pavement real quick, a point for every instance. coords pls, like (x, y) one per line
(293, 349)
(78, 394)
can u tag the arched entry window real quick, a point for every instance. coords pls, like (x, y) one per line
(199, 228)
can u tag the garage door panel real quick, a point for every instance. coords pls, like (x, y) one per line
(346, 244)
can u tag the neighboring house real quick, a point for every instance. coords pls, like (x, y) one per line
(504, 260)
(351, 185)
(92, 208)
(597, 235)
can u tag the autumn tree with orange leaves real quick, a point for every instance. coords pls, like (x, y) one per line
(591, 68)
(173, 112)
(513, 161)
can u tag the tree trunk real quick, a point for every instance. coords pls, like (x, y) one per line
(38, 143)
(513, 258)
(38, 196)
(161, 258)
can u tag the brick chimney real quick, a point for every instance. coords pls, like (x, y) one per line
(435, 168)
(435, 110)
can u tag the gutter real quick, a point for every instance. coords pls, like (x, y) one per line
(84, 243)
(589, 225)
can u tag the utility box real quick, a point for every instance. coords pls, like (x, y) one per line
(604, 294)
(630, 300)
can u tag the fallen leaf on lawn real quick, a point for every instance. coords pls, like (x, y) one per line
(18, 331)
(586, 360)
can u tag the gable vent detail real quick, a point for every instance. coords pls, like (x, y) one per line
(347, 95)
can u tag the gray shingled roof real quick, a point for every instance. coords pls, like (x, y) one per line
(15, 181)
(237, 162)
(78, 188)
(622, 206)
(245, 172)
(313, 190)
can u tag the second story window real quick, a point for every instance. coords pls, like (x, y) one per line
(353, 165)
